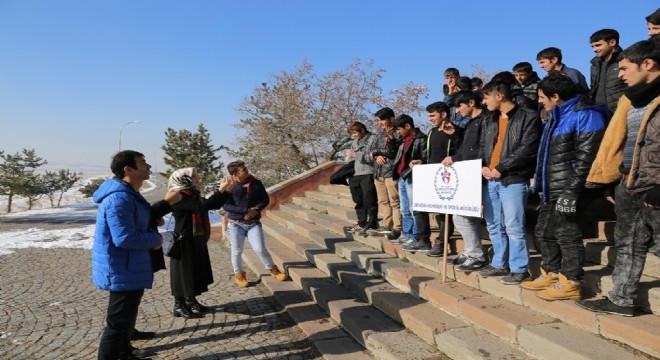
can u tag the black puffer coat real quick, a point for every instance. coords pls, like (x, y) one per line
(615, 86)
(520, 144)
(568, 147)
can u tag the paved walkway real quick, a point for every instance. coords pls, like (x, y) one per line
(49, 309)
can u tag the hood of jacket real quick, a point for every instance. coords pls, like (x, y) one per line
(581, 102)
(111, 186)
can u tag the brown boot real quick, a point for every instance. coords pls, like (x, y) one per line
(278, 274)
(564, 289)
(544, 281)
(241, 281)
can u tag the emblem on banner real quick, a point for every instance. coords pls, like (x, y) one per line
(446, 182)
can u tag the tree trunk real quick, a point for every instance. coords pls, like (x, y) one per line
(9, 200)
(59, 200)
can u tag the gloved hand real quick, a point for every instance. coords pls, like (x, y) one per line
(566, 206)
(653, 196)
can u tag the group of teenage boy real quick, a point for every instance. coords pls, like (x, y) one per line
(556, 138)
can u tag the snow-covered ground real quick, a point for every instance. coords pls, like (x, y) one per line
(74, 208)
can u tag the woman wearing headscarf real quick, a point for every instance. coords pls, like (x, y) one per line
(191, 273)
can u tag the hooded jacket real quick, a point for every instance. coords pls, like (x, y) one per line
(364, 165)
(122, 239)
(568, 147)
(645, 169)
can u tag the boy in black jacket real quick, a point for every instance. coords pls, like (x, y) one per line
(412, 147)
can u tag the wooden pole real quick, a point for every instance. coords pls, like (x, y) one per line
(444, 250)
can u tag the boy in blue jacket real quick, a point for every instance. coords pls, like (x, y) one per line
(121, 262)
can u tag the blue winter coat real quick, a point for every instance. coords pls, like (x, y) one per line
(120, 255)
(568, 147)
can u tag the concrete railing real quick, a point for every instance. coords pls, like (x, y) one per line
(296, 186)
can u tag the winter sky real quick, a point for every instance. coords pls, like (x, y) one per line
(75, 72)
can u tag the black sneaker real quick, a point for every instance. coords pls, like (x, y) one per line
(142, 335)
(437, 250)
(471, 264)
(417, 246)
(459, 260)
(394, 234)
(492, 271)
(606, 305)
(514, 278)
(359, 230)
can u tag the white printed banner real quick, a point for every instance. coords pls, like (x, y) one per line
(454, 189)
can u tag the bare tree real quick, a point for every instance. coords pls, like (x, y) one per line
(299, 119)
(481, 73)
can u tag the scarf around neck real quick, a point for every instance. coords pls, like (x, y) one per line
(641, 95)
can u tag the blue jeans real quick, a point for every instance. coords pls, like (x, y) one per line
(255, 234)
(504, 211)
(409, 229)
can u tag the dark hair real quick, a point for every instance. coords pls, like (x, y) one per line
(475, 81)
(122, 159)
(453, 71)
(549, 53)
(401, 121)
(498, 87)
(558, 84)
(439, 107)
(357, 126)
(233, 166)
(605, 35)
(523, 67)
(464, 83)
(505, 77)
(654, 18)
(464, 97)
(384, 113)
(642, 50)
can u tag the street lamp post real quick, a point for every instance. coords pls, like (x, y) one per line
(122, 129)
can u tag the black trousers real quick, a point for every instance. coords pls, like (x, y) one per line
(560, 238)
(424, 226)
(120, 322)
(363, 192)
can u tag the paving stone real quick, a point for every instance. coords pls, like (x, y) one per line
(51, 310)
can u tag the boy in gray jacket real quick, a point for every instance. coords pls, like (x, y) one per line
(361, 184)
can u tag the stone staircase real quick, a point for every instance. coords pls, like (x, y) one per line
(396, 306)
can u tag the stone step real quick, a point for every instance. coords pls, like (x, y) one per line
(335, 189)
(598, 280)
(604, 253)
(515, 294)
(336, 199)
(328, 337)
(419, 316)
(383, 337)
(342, 212)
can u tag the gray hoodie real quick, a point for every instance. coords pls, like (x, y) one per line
(364, 165)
